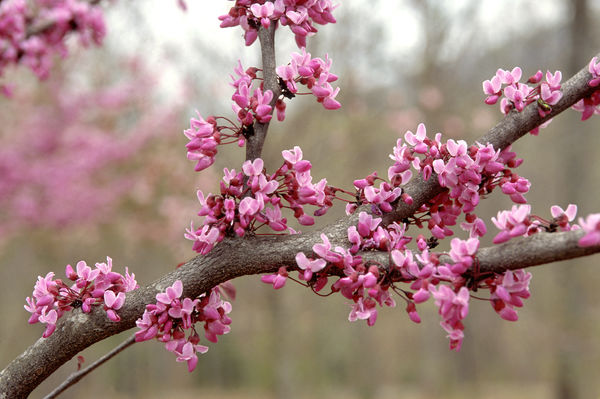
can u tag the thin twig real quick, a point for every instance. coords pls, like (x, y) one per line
(75, 377)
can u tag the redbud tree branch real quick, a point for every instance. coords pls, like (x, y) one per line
(255, 142)
(236, 257)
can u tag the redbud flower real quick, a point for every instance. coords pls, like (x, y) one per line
(563, 217)
(309, 266)
(594, 69)
(591, 226)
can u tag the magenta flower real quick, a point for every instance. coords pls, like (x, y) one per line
(171, 293)
(188, 354)
(508, 290)
(563, 217)
(364, 309)
(253, 168)
(492, 88)
(509, 78)
(309, 266)
(513, 223)
(204, 138)
(49, 318)
(594, 69)
(263, 12)
(463, 253)
(277, 280)
(591, 226)
(453, 307)
(113, 302)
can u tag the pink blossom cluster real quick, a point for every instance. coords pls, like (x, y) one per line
(298, 15)
(252, 198)
(508, 291)
(362, 283)
(171, 315)
(204, 137)
(314, 74)
(590, 105)
(250, 105)
(453, 307)
(92, 287)
(369, 285)
(468, 172)
(426, 275)
(31, 35)
(516, 95)
(519, 222)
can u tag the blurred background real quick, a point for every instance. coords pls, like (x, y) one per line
(92, 163)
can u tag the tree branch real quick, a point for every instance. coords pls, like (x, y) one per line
(255, 142)
(235, 257)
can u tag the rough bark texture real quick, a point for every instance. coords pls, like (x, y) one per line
(235, 257)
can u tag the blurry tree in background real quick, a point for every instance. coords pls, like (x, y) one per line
(123, 106)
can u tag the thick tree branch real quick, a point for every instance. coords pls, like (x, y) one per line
(235, 257)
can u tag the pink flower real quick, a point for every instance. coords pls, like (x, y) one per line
(562, 217)
(113, 302)
(591, 226)
(509, 78)
(253, 168)
(513, 223)
(463, 253)
(309, 266)
(263, 108)
(263, 12)
(171, 293)
(50, 318)
(364, 309)
(594, 68)
(492, 88)
(507, 290)
(277, 280)
(188, 354)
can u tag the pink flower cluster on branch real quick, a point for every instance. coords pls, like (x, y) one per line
(31, 34)
(92, 287)
(314, 74)
(519, 222)
(298, 15)
(169, 318)
(252, 198)
(468, 172)
(369, 285)
(251, 103)
(505, 85)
